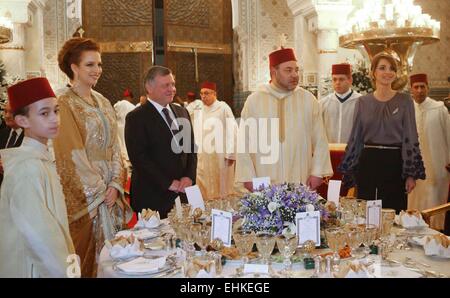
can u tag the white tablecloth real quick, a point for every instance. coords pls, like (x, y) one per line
(416, 253)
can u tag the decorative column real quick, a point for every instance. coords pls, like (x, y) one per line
(316, 31)
(13, 53)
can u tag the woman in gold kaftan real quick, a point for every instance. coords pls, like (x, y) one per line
(88, 154)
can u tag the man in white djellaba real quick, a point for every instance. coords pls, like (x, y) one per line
(433, 127)
(300, 148)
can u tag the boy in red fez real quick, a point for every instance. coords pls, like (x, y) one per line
(298, 150)
(33, 219)
(338, 107)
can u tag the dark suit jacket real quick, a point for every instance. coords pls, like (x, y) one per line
(4, 135)
(154, 164)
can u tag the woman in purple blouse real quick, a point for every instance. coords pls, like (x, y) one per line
(382, 157)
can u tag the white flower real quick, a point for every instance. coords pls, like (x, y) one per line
(290, 229)
(272, 206)
(309, 208)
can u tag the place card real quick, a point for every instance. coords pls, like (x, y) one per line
(256, 268)
(195, 197)
(260, 181)
(178, 207)
(334, 190)
(308, 227)
(373, 212)
(222, 226)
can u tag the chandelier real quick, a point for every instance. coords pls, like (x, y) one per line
(5, 30)
(395, 26)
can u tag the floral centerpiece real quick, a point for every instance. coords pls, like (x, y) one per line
(274, 208)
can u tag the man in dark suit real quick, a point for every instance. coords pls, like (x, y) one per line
(11, 135)
(160, 143)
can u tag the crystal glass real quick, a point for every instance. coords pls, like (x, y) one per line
(204, 237)
(265, 242)
(360, 211)
(348, 206)
(335, 240)
(287, 245)
(195, 232)
(371, 235)
(244, 241)
(351, 238)
(387, 219)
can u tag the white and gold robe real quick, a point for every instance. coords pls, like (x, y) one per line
(300, 139)
(34, 228)
(89, 160)
(215, 131)
(123, 107)
(338, 116)
(433, 126)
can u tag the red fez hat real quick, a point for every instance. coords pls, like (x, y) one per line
(280, 56)
(27, 92)
(127, 93)
(418, 78)
(209, 85)
(343, 69)
(191, 95)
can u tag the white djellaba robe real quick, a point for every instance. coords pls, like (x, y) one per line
(122, 107)
(194, 106)
(338, 116)
(301, 140)
(215, 133)
(433, 127)
(34, 229)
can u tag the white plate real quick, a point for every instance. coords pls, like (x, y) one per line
(169, 265)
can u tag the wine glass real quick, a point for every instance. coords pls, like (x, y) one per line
(360, 211)
(204, 237)
(370, 236)
(244, 241)
(287, 244)
(265, 242)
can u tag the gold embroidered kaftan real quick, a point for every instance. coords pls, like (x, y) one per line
(88, 159)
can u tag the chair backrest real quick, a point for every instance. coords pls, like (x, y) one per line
(427, 213)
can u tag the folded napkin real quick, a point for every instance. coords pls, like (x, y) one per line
(140, 234)
(411, 219)
(204, 274)
(353, 270)
(143, 265)
(437, 245)
(395, 272)
(148, 219)
(122, 249)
